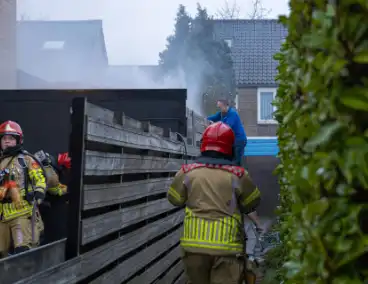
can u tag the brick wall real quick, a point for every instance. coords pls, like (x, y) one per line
(247, 108)
(8, 10)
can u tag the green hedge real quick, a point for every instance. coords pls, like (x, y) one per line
(322, 110)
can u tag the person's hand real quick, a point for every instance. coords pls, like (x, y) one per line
(64, 188)
(39, 197)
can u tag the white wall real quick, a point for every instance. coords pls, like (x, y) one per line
(8, 9)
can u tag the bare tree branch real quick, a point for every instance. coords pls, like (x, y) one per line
(231, 10)
(259, 12)
(228, 11)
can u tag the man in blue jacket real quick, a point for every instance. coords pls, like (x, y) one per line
(229, 116)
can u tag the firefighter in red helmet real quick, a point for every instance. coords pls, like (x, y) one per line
(22, 188)
(215, 193)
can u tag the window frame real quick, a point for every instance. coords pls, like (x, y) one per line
(265, 90)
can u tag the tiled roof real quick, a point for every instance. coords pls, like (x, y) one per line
(61, 50)
(254, 42)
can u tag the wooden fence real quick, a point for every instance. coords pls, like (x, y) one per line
(121, 227)
(196, 125)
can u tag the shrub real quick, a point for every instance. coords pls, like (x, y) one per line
(322, 110)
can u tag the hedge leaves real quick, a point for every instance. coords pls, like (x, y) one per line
(322, 110)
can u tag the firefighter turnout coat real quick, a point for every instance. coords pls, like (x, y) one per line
(214, 195)
(21, 207)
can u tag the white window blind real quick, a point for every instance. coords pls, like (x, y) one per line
(265, 109)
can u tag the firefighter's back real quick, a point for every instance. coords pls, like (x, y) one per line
(215, 194)
(212, 235)
(211, 194)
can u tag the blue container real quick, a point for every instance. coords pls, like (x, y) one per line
(261, 146)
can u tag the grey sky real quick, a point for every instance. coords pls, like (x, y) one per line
(135, 31)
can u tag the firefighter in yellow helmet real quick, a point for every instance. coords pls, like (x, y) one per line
(22, 188)
(215, 193)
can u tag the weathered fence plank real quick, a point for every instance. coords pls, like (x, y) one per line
(99, 195)
(131, 123)
(129, 267)
(100, 163)
(182, 279)
(66, 272)
(26, 264)
(96, 227)
(158, 268)
(112, 251)
(173, 136)
(79, 268)
(199, 123)
(119, 135)
(154, 129)
(99, 113)
(173, 273)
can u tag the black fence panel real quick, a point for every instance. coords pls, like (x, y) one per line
(45, 114)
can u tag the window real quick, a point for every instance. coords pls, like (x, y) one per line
(53, 45)
(229, 42)
(265, 109)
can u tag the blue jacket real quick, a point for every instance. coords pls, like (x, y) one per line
(232, 119)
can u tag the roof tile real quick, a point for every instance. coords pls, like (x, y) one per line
(254, 43)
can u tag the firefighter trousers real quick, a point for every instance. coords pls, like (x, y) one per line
(210, 269)
(17, 232)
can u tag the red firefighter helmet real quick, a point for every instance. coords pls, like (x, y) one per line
(11, 128)
(218, 137)
(64, 160)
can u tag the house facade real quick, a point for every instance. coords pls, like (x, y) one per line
(253, 44)
(60, 54)
(8, 16)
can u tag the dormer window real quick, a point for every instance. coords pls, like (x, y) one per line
(53, 45)
(229, 42)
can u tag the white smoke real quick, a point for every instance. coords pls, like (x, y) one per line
(147, 77)
(43, 70)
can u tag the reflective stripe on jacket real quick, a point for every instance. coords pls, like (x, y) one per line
(36, 182)
(54, 187)
(221, 234)
(58, 190)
